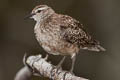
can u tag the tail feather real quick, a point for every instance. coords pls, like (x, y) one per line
(101, 48)
(95, 48)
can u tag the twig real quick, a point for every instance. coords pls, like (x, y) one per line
(42, 67)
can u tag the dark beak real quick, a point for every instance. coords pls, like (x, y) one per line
(29, 16)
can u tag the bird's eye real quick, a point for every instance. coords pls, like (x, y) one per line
(39, 11)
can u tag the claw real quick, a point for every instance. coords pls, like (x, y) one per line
(51, 75)
(72, 72)
(58, 68)
(65, 75)
(64, 78)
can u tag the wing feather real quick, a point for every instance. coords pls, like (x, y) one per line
(73, 32)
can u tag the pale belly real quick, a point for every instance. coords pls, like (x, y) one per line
(53, 44)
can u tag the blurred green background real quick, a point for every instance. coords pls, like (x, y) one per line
(100, 17)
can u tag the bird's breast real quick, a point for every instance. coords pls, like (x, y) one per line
(48, 39)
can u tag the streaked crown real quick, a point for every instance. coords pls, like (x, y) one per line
(40, 8)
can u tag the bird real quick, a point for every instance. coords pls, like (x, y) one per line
(60, 34)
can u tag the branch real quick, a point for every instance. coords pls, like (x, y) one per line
(23, 74)
(42, 67)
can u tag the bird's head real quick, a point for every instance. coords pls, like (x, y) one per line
(41, 12)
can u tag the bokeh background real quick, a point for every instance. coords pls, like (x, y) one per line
(100, 17)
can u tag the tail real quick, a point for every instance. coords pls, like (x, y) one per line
(96, 48)
(100, 48)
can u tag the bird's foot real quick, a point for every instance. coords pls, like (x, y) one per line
(64, 78)
(71, 71)
(58, 67)
(55, 70)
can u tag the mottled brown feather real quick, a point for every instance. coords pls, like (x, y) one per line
(74, 32)
(63, 35)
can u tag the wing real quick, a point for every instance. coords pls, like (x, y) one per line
(73, 32)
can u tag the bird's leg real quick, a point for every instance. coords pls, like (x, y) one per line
(58, 66)
(60, 63)
(73, 62)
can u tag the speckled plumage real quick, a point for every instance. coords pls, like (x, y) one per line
(62, 35)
